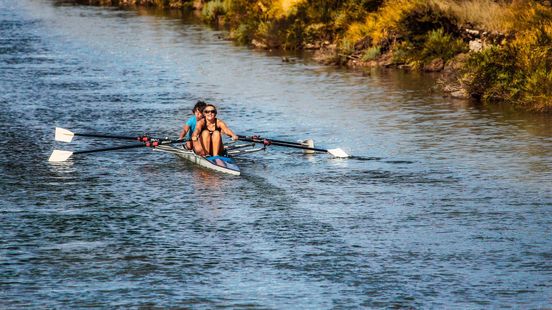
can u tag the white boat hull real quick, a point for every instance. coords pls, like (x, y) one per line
(217, 163)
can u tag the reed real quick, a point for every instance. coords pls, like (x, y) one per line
(483, 14)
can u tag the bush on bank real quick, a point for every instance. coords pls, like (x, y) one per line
(518, 70)
(175, 4)
(510, 58)
(498, 50)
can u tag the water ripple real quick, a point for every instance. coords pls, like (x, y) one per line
(444, 205)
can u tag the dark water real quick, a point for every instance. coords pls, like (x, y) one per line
(448, 206)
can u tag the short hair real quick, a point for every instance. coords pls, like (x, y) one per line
(199, 106)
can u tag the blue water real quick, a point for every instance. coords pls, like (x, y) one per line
(446, 204)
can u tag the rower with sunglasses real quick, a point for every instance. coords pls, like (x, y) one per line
(208, 133)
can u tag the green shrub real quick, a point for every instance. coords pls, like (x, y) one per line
(347, 46)
(538, 88)
(297, 34)
(212, 10)
(518, 72)
(315, 32)
(243, 34)
(354, 11)
(371, 53)
(439, 44)
(403, 52)
(425, 17)
(493, 75)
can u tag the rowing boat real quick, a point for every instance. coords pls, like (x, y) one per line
(218, 163)
(223, 164)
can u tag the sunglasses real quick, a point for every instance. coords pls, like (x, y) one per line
(209, 111)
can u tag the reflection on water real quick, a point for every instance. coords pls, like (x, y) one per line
(445, 203)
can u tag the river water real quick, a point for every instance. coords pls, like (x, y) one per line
(446, 204)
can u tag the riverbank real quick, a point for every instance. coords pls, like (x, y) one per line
(495, 52)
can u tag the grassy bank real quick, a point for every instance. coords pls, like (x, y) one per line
(495, 51)
(173, 4)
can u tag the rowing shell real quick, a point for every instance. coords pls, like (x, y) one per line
(217, 163)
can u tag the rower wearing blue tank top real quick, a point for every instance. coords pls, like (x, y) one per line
(191, 123)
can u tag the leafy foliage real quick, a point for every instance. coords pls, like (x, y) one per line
(212, 10)
(519, 72)
(515, 65)
(438, 44)
(371, 53)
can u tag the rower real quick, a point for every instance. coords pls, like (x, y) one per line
(209, 132)
(190, 124)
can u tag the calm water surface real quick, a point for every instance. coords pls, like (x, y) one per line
(447, 205)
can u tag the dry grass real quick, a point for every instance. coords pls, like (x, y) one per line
(497, 15)
(483, 14)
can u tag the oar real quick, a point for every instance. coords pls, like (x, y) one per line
(65, 135)
(273, 140)
(59, 155)
(335, 152)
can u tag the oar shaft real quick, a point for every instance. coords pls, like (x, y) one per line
(131, 146)
(281, 143)
(65, 135)
(111, 148)
(298, 146)
(272, 140)
(97, 135)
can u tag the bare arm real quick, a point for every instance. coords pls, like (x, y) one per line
(198, 148)
(227, 131)
(198, 129)
(184, 132)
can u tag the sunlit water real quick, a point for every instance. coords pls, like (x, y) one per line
(447, 205)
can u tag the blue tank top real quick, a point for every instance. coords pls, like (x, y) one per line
(191, 122)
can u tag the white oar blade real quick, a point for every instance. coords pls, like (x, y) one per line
(308, 143)
(58, 155)
(338, 153)
(64, 135)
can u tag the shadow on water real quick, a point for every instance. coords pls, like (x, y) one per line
(367, 158)
(355, 157)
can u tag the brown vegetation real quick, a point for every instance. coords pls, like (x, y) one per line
(494, 50)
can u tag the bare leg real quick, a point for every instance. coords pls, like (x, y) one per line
(206, 142)
(217, 143)
(189, 144)
(197, 147)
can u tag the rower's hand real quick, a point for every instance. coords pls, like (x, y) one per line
(234, 138)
